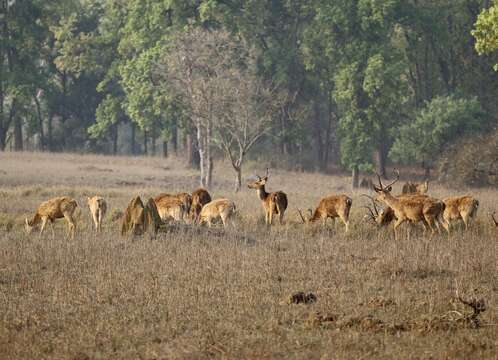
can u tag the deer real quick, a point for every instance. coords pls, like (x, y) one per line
(50, 210)
(133, 219)
(223, 208)
(184, 197)
(170, 208)
(332, 206)
(414, 209)
(274, 203)
(98, 208)
(138, 218)
(414, 188)
(200, 197)
(459, 207)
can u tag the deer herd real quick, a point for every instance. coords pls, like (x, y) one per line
(413, 205)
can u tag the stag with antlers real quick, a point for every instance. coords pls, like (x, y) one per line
(414, 209)
(274, 203)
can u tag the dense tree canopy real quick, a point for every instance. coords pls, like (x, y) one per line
(358, 83)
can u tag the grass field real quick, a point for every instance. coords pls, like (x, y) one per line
(197, 293)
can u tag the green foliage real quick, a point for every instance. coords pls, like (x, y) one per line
(486, 31)
(443, 120)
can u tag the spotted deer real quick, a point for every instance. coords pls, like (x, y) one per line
(414, 188)
(222, 208)
(183, 197)
(459, 208)
(98, 208)
(333, 206)
(414, 209)
(274, 203)
(50, 210)
(200, 197)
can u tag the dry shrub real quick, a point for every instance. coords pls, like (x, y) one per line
(318, 319)
(300, 298)
(7, 222)
(471, 162)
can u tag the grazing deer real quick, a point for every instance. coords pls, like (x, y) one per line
(152, 219)
(56, 208)
(494, 220)
(200, 197)
(273, 203)
(414, 188)
(138, 218)
(332, 206)
(459, 207)
(184, 197)
(170, 208)
(133, 218)
(414, 209)
(98, 208)
(223, 208)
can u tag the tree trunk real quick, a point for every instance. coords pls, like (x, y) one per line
(201, 142)
(165, 148)
(146, 151)
(133, 139)
(3, 135)
(115, 139)
(50, 140)
(18, 140)
(40, 123)
(380, 158)
(355, 178)
(209, 180)
(238, 177)
(318, 136)
(189, 145)
(153, 141)
(174, 137)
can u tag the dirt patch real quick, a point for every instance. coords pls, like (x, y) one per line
(95, 169)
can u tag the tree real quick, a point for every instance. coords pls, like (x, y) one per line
(445, 119)
(486, 31)
(246, 115)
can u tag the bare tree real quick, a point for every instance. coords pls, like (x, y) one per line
(214, 76)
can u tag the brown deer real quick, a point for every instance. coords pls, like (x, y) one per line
(459, 207)
(414, 209)
(332, 206)
(223, 208)
(274, 203)
(133, 219)
(56, 208)
(170, 208)
(138, 219)
(414, 188)
(98, 208)
(200, 197)
(184, 197)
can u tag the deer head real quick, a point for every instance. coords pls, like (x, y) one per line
(384, 191)
(303, 218)
(260, 182)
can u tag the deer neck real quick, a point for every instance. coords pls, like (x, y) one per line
(263, 195)
(35, 220)
(392, 201)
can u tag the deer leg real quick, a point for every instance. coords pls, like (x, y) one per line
(95, 221)
(447, 225)
(270, 217)
(224, 219)
(465, 218)
(101, 215)
(71, 225)
(396, 225)
(281, 217)
(345, 221)
(44, 222)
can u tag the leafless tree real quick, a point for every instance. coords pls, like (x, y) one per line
(214, 76)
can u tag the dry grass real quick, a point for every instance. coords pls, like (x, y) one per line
(198, 292)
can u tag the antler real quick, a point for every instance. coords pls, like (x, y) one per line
(391, 183)
(267, 172)
(372, 216)
(301, 215)
(373, 203)
(494, 220)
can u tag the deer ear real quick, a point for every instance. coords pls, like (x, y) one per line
(376, 189)
(389, 188)
(26, 221)
(265, 178)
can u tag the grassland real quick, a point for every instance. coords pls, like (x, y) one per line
(196, 293)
